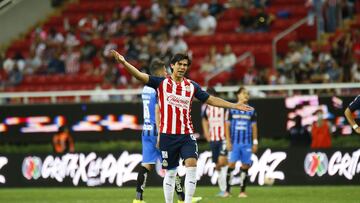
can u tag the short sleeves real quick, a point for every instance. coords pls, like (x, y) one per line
(355, 105)
(154, 81)
(199, 93)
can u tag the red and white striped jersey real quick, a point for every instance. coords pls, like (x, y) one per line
(216, 119)
(175, 100)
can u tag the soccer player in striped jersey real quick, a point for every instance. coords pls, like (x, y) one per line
(353, 106)
(175, 95)
(150, 152)
(241, 140)
(213, 123)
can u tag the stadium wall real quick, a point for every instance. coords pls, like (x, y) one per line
(119, 169)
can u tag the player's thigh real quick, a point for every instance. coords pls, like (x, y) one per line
(170, 151)
(149, 151)
(246, 152)
(234, 154)
(189, 148)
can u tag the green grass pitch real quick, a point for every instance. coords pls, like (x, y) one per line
(274, 194)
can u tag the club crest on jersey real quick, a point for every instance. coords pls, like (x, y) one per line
(187, 88)
(164, 163)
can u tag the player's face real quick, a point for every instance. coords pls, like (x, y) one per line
(180, 68)
(243, 96)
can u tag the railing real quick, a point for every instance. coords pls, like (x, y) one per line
(105, 95)
(238, 60)
(282, 35)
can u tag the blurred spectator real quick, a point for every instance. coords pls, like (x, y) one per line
(178, 46)
(210, 62)
(228, 59)
(299, 135)
(63, 141)
(32, 63)
(215, 8)
(87, 26)
(114, 25)
(15, 76)
(132, 48)
(320, 132)
(263, 20)
(246, 22)
(191, 19)
(207, 24)
(178, 29)
(71, 59)
(131, 13)
(355, 72)
(56, 65)
(250, 77)
(88, 51)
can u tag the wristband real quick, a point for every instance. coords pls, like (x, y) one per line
(255, 142)
(355, 126)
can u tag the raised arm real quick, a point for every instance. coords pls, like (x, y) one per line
(216, 101)
(143, 77)
(351, 120)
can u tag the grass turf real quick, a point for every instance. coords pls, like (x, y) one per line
(275, 194)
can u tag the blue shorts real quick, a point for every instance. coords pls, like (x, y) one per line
(174, 147)
(241, 153)
(149, 151)
(218, 148)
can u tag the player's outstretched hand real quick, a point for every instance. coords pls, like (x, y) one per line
(118, 57)
(357, 130)
(243, 107)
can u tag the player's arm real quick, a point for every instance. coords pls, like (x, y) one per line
(227, 130)
(143, 77)
(255, 137)
(351, 120)
(157, 122)
(354, 105)
(205, 126)
(217, 101)
(227, 136)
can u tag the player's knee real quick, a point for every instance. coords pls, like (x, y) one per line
(231, 164)
(190, 162)
(245, 166)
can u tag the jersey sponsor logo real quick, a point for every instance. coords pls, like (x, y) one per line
(237, 116)
(178, 101)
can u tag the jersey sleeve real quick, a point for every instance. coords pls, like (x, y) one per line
(354, 105)
(199, 93)
(154, 81)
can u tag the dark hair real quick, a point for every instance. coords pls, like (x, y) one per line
(240, 90)
(156, 64)
(178, 57)
(211, 91)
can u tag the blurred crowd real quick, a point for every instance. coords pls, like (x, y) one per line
(142, 34)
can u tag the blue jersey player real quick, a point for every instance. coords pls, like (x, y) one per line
(353, 106)
(241, 140)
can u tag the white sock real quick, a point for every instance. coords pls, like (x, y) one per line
(169, 185)
(222, 178)
(190, 183)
